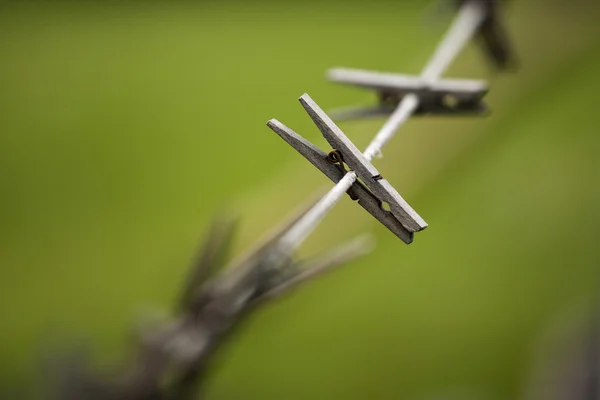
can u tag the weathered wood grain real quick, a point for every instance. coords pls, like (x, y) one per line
(318, 158)
(363, 168)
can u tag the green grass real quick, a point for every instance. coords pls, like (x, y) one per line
(123, 128)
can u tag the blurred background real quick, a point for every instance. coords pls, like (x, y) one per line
(125, 126)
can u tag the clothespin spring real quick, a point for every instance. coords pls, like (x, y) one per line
(335, 157)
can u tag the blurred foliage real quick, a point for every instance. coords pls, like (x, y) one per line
(124, 127)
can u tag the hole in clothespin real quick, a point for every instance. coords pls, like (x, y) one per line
(450, 101)
(385, 206)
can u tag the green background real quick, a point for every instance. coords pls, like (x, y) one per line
(124, 127)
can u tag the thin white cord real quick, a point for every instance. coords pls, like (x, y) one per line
(407, 106)
(462, 29)
(459, 34)
(305, 225)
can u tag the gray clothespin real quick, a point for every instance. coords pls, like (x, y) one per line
(211, 258)
(262, 269)
(172, 354)
(492, 34)
(401, 219)
(441, 97)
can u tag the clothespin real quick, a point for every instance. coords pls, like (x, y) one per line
(214, 300)
(445, 97)
(212, 257)
(401, 219)
(433, 95)
(260, 272)
(492, 33)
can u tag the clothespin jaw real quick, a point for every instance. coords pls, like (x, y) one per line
(447, 97)
(401, 219)
(319, 159)
(370, 176)
(492, 34)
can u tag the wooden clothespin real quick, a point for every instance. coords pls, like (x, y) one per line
(401, 219)
(445, 97)
(492, 33)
